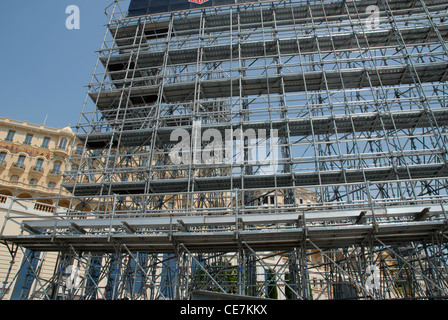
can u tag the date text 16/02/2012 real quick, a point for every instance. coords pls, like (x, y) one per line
(229, 309)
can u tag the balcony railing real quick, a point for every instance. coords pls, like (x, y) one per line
(37, 169)
(55, 171)
(19, 165)
(44, 207)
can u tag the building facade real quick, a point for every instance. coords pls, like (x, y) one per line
(33, 159)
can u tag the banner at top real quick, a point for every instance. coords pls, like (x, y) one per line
(143, 7)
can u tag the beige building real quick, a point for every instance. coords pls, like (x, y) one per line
(32, 160)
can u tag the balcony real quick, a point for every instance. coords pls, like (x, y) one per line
(37, 169)
(39, 187)
(56, 171)
(19, 166)
(44, 207)
(60, 152)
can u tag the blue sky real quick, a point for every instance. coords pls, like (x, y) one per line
(44, 67)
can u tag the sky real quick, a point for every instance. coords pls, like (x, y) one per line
(44, 66)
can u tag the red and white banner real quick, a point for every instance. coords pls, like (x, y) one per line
(198, 1)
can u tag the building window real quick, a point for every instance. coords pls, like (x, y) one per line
(51, 185)
(46, 142)
(56, 167)
(269, 200)
(20, 163)
(28, 139)
(39, 164)
(2, 158)
(23, 284)
(10, 135)
(79, 150)
(33, 182)
(63, 143)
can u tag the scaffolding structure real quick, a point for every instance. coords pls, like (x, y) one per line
(335, 186)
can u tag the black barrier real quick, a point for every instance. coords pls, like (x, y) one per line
(143, 7)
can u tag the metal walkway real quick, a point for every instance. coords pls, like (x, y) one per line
(262, 232)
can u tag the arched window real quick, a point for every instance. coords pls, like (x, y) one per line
(25, 195)
(56, 168)
(63, 143)
(6, 192)
(20, 162)
(2, 158)
(79, 149)
(38, 166)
